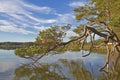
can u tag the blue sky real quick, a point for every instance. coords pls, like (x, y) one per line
(21, 20)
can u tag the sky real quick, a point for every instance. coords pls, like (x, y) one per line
(21, 20)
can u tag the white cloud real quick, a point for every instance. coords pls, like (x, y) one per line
(68, 35)
(65, 18)
(14, 29)
(41, 28)
(18, 15)
(37, 8)
(19, 6)
(77, 4)
(40, 20)
(10, 27)
(20, 10)
(71, 33)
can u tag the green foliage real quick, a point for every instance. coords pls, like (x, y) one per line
(74, 46)
(79, 30)
(53, 35)
(45, 40)
(85, 12)
(96, 10)
(21, 52)
(30, 51)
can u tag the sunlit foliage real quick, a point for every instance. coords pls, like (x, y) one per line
(46, 40)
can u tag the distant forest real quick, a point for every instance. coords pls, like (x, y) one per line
(14, 45)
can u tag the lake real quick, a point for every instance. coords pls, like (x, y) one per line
(63, 66)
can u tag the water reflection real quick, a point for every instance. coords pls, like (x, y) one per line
(65, 70)
(39, 72)
(8, 63)
(67, 66)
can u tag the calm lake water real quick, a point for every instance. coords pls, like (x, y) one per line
(63, 66)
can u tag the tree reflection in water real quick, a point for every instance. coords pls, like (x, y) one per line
(61, 70)
(37, 72)
(65, 70)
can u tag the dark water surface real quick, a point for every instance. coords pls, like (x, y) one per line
(63, 66)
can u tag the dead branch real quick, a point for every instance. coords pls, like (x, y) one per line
(110, 35)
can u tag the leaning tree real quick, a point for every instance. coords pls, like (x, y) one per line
(100, 20)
